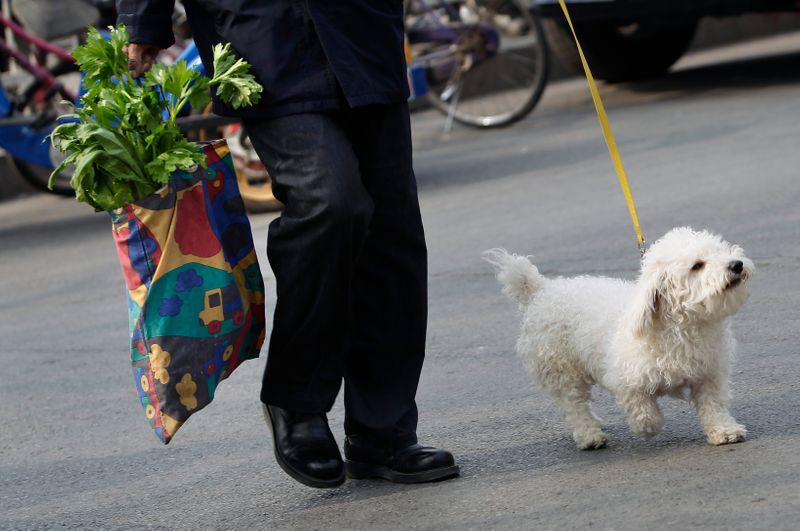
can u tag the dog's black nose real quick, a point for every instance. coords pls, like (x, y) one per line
(736, 266)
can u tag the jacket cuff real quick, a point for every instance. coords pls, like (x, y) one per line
(149, 29)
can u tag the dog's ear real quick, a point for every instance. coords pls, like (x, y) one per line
(645, 304)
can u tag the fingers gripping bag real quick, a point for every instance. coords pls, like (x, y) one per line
(195, 290)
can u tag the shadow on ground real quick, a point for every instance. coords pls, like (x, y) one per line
(738, 74)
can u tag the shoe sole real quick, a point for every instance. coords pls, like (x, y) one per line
(296, 474)
(357, 470)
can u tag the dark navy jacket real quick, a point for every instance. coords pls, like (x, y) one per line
(310, 55)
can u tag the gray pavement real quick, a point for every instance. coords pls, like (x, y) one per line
(713, 145)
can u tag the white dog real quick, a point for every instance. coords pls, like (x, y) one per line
(663, 335)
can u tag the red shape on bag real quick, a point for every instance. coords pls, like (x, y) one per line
(192, 230)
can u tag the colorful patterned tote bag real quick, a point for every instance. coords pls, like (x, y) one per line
(195, 290)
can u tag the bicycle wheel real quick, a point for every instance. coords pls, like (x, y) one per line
(39, 176)
(46, 104)
(486, 61)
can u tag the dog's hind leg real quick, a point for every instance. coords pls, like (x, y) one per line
(586, 429)
(641, 408)
(573, 396)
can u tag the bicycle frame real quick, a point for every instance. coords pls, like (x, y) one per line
(444, 62)
(25, 137)
(41, 74)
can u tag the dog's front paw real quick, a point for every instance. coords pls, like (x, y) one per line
(726, 434)
(590, 440)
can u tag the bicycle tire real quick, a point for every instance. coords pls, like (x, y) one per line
(533, 90)
(37, 175)
(640, 50)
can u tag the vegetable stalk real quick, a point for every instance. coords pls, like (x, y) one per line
(121, 147)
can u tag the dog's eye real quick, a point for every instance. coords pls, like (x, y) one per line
(698, 266)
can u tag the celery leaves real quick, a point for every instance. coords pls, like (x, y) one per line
(118, 141)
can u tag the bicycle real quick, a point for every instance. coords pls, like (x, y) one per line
(485, 62)
(28, 116)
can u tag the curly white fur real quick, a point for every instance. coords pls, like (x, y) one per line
(665, 334)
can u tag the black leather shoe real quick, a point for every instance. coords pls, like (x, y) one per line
(410, 464)
(305, 448)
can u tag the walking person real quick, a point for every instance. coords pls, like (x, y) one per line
(348, 250)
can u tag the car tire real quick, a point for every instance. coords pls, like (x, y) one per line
(618, 53)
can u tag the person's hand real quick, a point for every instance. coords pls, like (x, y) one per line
(140, 58)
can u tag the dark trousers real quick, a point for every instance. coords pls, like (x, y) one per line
(350, 263)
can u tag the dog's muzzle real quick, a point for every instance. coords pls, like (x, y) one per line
(736, 268)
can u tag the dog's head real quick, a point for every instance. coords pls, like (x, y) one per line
(690, 276)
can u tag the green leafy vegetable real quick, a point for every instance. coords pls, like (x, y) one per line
(236, 85)
(118, 141)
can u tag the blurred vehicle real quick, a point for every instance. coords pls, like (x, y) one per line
(40, 76)
(45, 79)
(54, 19)
(31, 98)
(635, 39)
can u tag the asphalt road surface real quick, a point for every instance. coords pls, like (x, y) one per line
(713, 145)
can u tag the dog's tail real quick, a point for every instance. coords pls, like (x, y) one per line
(519, 277)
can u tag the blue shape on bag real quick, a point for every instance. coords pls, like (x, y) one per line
(187, 280)
(140, 248)
(170, 307)
(231, 225)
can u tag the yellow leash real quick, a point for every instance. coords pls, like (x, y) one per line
(608, 134)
